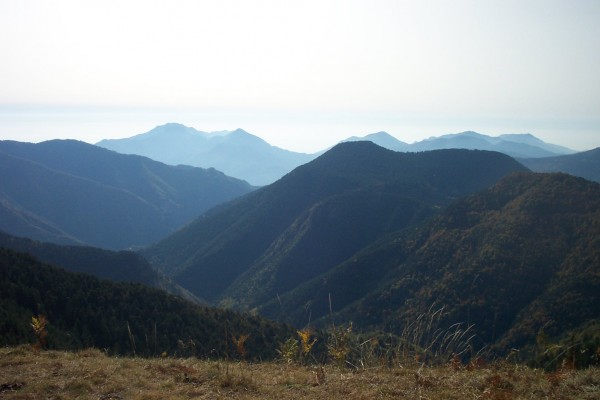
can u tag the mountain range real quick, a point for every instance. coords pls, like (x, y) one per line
(378, 237)
(515, 145)
(242, 155)
(280, 236)
(236, 153)
(532, 152)
(360, 233)
(71, 192)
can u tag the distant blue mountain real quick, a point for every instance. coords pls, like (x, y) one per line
(514, 145)
(236, 153)
(70, 192)
(382, 139)
(245, 156)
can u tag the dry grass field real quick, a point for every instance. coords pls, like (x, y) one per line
(90, 374)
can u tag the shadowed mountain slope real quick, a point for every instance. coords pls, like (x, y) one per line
(272, 240)
(585, 164)
(70, 192)
(515, 259)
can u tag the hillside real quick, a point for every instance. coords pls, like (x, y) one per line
(585, 164)
(514, 260)
(237, 153)
(264, 244)
(121, 318)
(122, 266)
(70, 192)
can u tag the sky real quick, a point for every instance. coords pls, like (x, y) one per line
(302, 75)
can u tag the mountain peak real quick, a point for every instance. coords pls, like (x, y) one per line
(354, 147)
(236, 153)
(161, 133)
(244, 138)
(171, 128)
(173, 125)
(382, 139)
(470, 134)
(380, 133)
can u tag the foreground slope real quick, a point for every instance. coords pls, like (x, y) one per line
(121, 318)
(71, 192)
(287, 233)
(91, 374)
(237, 153)
(516, 259)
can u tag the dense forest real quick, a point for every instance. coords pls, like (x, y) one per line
(121, 318)
(118, 266)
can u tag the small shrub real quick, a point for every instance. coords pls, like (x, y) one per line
(39, 329)
(305, 336)
(338, 345)
(239, 343)
(288, 350)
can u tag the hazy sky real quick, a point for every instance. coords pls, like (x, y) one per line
(301, 74)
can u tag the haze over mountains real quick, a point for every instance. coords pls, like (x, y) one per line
(70, 192)
(236, 153)
(245, 156)
(515, 145)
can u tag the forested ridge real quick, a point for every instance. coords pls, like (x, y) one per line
(317, 216)
(121, 318)
(517, 260)
(118, 266)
